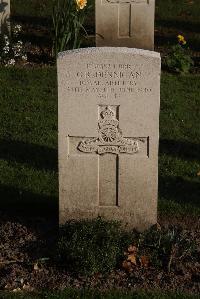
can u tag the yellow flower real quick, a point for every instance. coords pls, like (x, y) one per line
(181, 39)
(81, 4)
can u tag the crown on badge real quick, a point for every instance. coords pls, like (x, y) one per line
(108, 118)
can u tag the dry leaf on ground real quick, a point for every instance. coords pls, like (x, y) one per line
(132, 248)
(144, 261)
(127, 266)
(27, 287)
(132, 258)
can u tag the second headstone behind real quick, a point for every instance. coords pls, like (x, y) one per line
(125, 23)
(4, 14)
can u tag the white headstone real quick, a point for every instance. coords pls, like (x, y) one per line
(125, 23)
(4, 13)
(108, 102)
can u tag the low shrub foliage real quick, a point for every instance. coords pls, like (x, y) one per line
(99, 246)
(179, 59)
(12, 49)
(68, 18)
(163, 247)
(92, 246)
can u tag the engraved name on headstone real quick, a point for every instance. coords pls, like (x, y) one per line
(108, 134)
(126, 23)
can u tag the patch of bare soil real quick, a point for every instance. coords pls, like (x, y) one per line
(26, 263)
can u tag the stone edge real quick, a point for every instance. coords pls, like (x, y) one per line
(117, 50)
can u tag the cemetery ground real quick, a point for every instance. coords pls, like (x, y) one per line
(29, 187)
(30, 259)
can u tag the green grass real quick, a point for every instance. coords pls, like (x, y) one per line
(184, 10)
(28, 134)
(79, 294)
(34, 8)
(179, 159)
(178, 17)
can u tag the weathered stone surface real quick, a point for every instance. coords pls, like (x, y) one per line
(108, 102)
(125, 23)
(4, 13)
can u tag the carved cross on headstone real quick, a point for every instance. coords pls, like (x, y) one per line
(124, 15)
(108, 147)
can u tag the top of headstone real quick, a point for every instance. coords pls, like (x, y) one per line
(117, 50)
(127, 1)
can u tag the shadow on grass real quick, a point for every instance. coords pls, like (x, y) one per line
(169, 40)
(179, 190)
(37, 156)
(32, 20)
(25, 204)
(181, 25)
(163, 40)
(175, 27)
(43, 38)
(186, 150)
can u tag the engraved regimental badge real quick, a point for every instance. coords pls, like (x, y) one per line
(110, 139)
